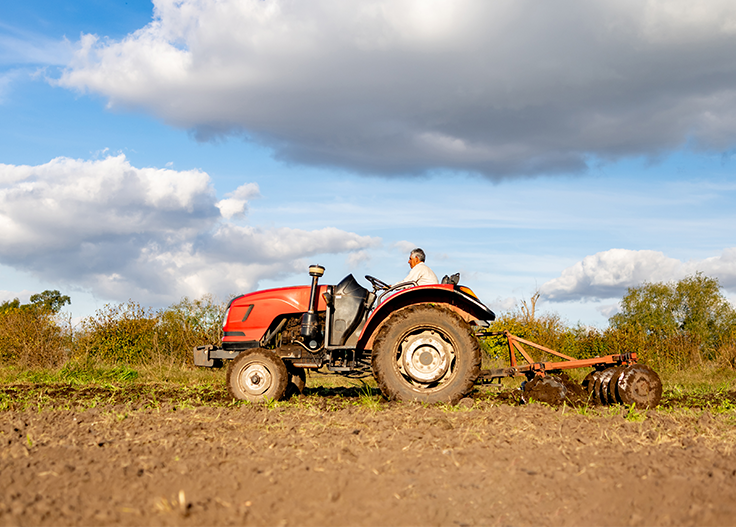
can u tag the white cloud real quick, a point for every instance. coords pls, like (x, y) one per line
(404, 246)
(144, 233)
(607, 310)
(411, 86)
(499, 304)
(610, 273)
(6, 79)
(235, 204)
(723, 267)
(358, 258)
(24, 296)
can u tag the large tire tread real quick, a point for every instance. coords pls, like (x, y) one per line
(468, 354)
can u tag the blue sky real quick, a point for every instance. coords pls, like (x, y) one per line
(154, 150)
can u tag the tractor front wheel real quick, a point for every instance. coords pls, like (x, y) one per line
(425, 353)
(258, 375)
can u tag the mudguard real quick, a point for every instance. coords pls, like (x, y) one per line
(453, 296)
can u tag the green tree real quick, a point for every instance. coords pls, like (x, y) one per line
(693, 307)
(49, 300)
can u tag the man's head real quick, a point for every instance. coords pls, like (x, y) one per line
(416, 256)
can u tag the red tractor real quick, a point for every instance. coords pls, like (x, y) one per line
(417, 340)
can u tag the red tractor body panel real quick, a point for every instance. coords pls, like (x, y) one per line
(249, 316)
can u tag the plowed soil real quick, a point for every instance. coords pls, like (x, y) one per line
(340, 458)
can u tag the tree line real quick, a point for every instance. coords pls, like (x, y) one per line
(669, 324)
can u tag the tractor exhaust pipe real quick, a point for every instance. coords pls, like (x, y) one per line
(310, 319)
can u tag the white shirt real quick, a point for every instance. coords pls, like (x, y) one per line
(422, 275)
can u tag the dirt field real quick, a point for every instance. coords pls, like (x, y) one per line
(343, 459)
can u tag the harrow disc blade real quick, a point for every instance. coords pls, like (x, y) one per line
(548, 389)
(613, 396)
(640, 385)
(602, 384)
(589, 384)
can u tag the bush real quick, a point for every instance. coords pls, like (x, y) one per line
(34, 335)
(132, 335)
(547, 330)
(118, 334)
(188, 324)
(32, 339)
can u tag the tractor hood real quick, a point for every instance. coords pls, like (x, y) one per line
(249, 316)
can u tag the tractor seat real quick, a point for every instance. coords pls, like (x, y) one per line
(453, 279)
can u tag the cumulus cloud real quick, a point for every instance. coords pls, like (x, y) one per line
(24, 296)
(413, 86)
(235, 203)
(610, 273)
(503, 304)
(404, 246)
(358, 258)
(145, 233)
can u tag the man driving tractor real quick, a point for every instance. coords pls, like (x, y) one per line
(420, 272)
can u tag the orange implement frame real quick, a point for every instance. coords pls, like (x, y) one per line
(532, 367)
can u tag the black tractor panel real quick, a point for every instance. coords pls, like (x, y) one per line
(349, 301)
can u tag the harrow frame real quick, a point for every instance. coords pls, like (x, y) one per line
(533, 368)
(616, 378)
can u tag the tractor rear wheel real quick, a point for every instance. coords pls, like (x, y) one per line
(425, 353)
(258, 375)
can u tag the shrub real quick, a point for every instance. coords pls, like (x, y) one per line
(30, 338)
(187, 324)
(118, 334)
(132, 335)
(34, 335)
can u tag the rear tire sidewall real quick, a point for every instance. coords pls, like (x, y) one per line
(262, 358)
(463, 371)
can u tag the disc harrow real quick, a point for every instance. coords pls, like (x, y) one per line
(615, 379)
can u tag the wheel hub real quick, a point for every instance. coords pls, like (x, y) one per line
(426, 357)
(256, 379)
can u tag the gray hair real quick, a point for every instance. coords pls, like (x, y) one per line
(419, 253)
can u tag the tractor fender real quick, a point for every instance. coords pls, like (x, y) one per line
(451, 296)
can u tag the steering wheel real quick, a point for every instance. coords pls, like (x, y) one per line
(376, 283)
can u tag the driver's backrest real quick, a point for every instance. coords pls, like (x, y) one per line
(452, 279)
(349, 308)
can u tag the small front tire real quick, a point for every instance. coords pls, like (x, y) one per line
(257, 376)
